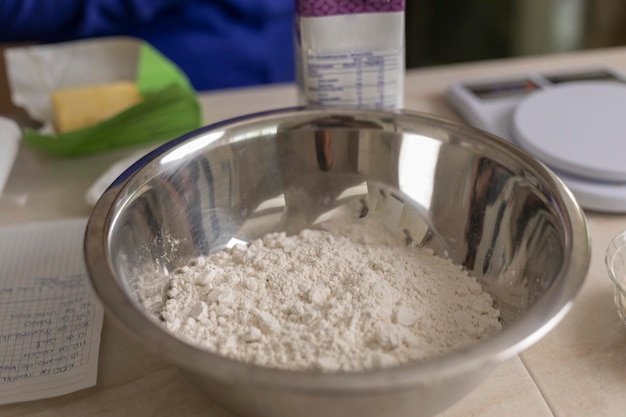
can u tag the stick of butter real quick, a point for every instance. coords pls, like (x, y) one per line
(76, 108)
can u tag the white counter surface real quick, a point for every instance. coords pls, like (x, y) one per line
(579, 369)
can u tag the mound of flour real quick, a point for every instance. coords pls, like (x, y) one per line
(327, 301)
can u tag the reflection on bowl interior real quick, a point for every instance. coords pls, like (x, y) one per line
(490, 220)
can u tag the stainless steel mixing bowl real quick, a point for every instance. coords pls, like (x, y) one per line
(463, 193)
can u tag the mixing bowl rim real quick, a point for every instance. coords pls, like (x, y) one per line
(513, 339)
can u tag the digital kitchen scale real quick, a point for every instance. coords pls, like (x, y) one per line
(574, 122)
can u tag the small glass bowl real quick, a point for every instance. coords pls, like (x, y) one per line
(615, 260)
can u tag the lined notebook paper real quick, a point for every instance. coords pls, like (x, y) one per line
(50, 318)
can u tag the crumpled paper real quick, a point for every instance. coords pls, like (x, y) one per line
(169, 107)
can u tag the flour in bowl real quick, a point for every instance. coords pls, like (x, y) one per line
(327, 301)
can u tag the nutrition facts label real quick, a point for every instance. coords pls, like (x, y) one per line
(362, 79)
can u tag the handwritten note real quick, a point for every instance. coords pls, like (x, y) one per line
(50, 318)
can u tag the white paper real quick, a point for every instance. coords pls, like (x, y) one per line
(34, 72)
(50, 318)
(9, 144)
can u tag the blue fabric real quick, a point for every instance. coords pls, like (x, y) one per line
(218, 43)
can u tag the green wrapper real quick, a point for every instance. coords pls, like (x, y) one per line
(169, 109)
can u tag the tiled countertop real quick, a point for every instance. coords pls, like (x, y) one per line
(578, 369)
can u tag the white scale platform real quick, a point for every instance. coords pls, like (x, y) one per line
(573, 122)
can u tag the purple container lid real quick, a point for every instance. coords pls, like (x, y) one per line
(317, 8)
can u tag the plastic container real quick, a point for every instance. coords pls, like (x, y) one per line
(615, 260)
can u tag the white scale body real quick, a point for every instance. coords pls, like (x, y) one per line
(573, 121)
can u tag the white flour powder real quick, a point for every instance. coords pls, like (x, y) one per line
(324, 301)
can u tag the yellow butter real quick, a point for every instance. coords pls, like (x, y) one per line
(76, 108)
